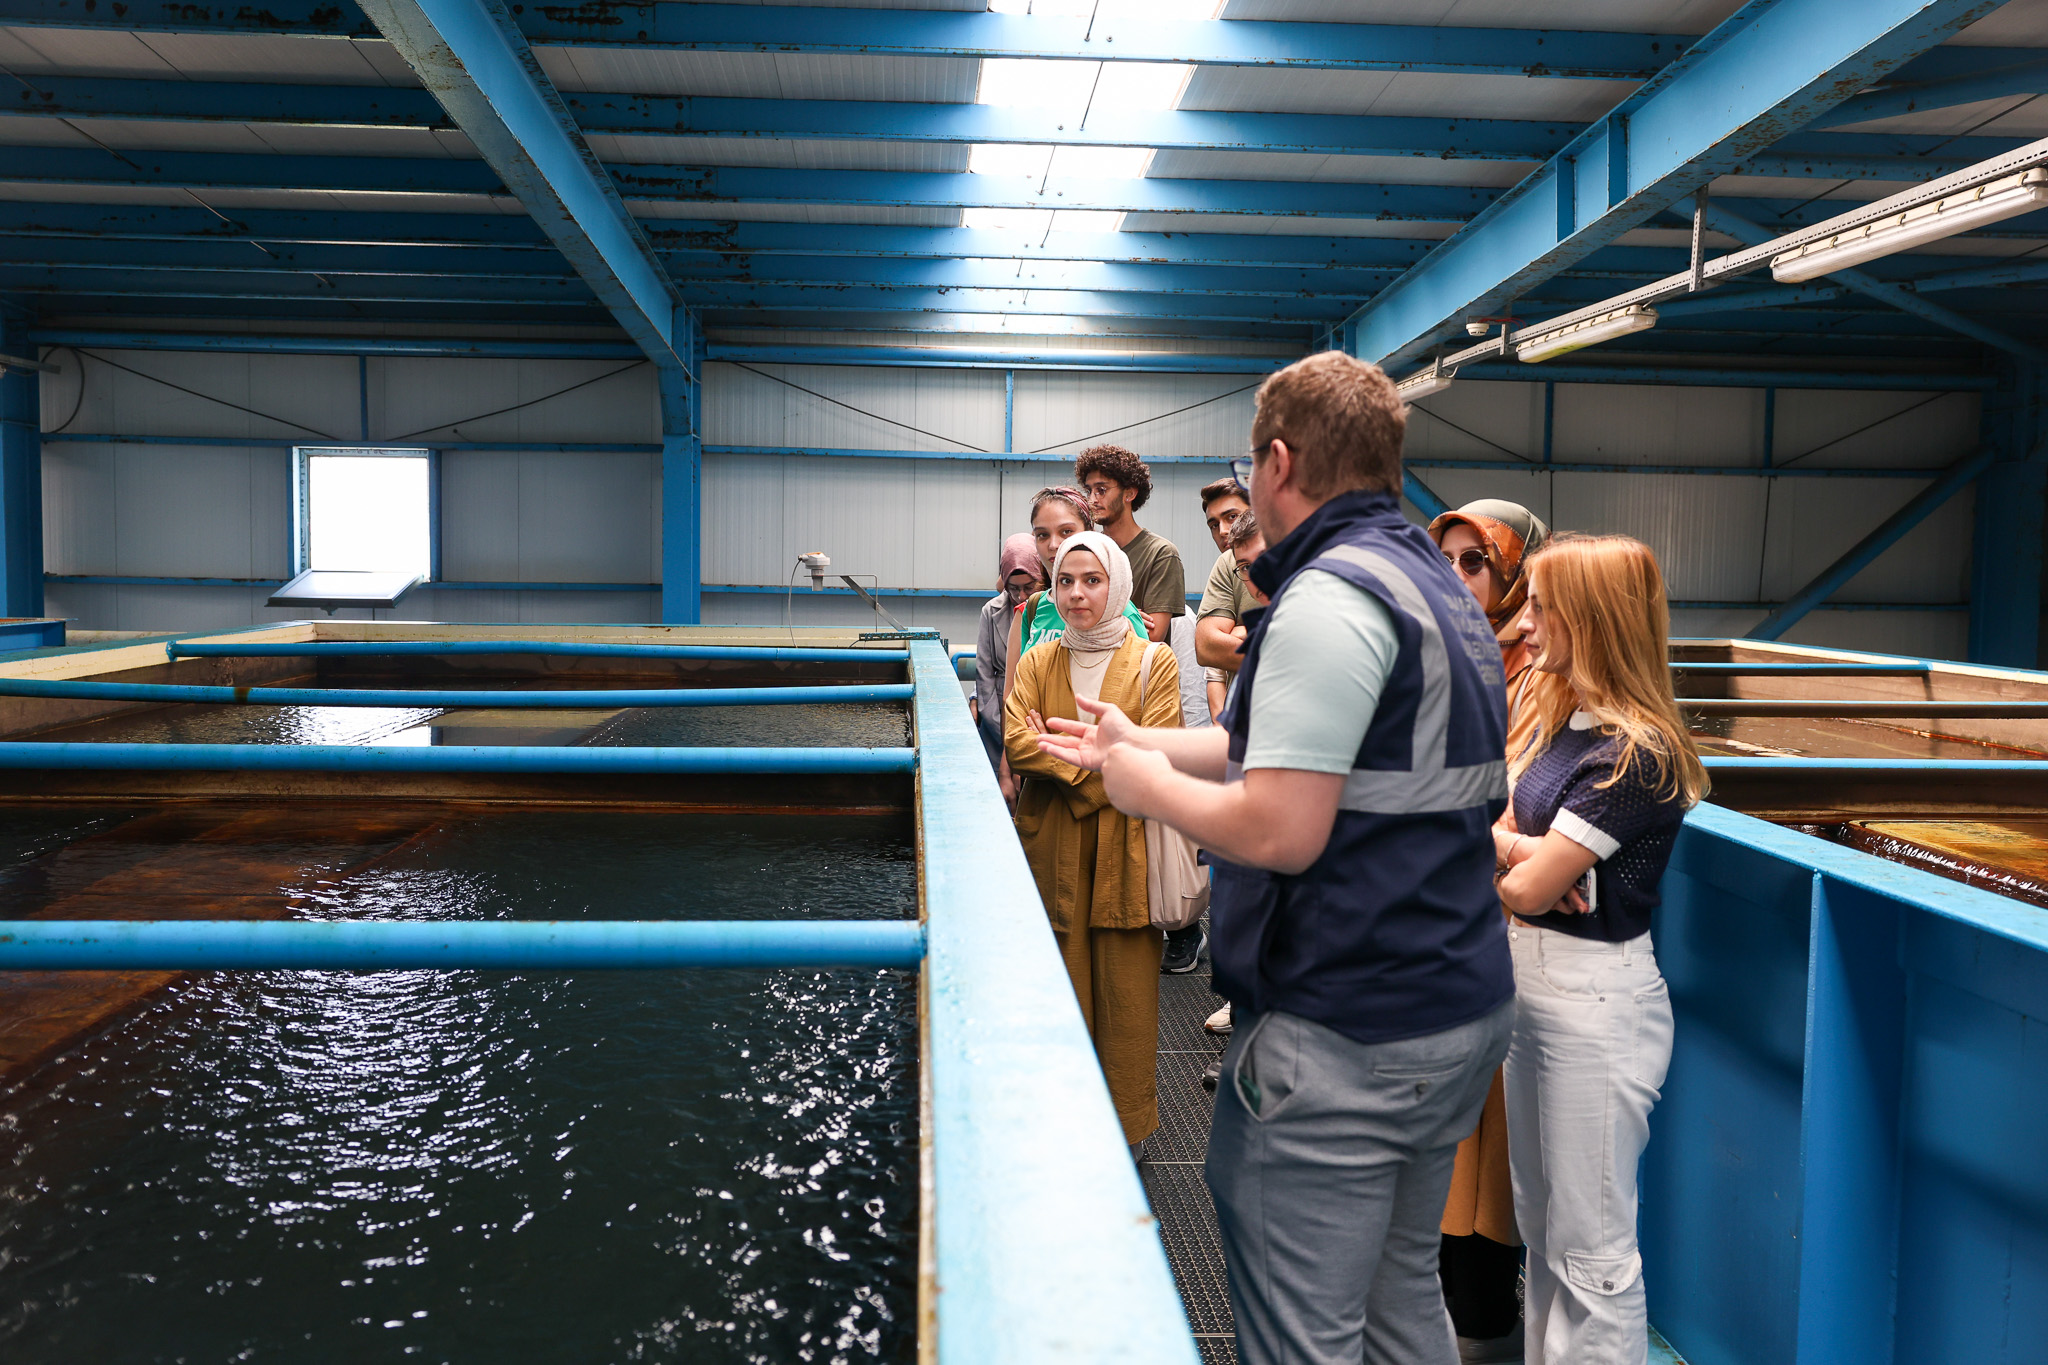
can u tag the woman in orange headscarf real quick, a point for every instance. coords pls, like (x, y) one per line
(1487, 543)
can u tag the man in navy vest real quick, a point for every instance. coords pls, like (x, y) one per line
(1346, 797)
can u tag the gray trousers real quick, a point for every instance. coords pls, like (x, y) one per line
(1329, 1162)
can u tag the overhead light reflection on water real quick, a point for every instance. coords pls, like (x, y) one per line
(468, 1166)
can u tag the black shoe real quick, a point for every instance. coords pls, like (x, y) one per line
(1212, 1076)
(1184, 950)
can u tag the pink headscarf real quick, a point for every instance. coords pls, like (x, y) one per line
(1019, 552)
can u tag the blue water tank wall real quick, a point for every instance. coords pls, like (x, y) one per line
(1850, 1162)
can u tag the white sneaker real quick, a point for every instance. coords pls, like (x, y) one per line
(1219, 1022)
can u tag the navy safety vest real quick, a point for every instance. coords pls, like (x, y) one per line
(1396, 930)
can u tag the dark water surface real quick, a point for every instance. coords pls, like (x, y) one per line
(463, 1166)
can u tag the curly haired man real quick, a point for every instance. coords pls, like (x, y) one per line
(1118, 483)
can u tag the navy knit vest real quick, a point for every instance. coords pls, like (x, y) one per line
(1396, 930)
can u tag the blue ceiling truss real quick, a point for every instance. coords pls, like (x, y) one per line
(1770, 93)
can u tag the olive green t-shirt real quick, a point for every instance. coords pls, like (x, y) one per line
(1158, 582)
(1226, 593)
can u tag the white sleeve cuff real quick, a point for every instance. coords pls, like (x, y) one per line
(1575, 828)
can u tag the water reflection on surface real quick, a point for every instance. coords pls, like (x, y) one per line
(493, 1166)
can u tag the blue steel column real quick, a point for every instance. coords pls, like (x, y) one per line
(21, 483)
(682, 485)
(2006, 544)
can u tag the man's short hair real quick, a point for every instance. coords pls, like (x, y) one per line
(1244, 530)
(1223, 488)
(1120, 466)
(1341, 418)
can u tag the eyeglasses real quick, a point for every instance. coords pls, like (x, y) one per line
(1468, 562)
(1241, 470)
(1243, 571)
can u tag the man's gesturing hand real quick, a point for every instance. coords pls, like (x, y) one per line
(1083, 744)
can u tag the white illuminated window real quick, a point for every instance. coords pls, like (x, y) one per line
(364, 508)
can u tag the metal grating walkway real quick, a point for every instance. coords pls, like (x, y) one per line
(1173, 1167)
(1173, 1170)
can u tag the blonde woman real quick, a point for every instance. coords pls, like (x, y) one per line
(1599, 794)
(1087, 857)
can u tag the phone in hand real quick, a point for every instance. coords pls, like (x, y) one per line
(1588, 888)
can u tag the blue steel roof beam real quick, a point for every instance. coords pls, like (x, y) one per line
(727, 184)
(471, 55)
(1766, 71)
(330, 259)
(683, 238)
(148, 279)
(162, 282)
(2027, 74)
(1721, 219)
(1832, 155)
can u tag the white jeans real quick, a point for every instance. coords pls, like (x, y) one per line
(1591, 1045)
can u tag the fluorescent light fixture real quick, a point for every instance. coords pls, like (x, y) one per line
(1417, 387)
(1945, 217)
(1589, 332)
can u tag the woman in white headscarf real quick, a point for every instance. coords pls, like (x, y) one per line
(1088, 857)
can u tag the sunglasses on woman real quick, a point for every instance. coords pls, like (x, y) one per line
(1467, 562)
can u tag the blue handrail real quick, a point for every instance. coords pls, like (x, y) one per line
(452, 758)
(320, 649)
(70, 690)
(393, 945)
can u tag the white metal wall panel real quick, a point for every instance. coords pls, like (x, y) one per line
(222, 511)
(550, 517)
(1913, 430)
(78, 501)
(1063, 411)
(1823, 518)
(1475, 421)
(1649, 423)
(912, 409)
(300, 398)
(426, 399)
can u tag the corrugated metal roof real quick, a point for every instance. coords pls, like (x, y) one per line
(1611, 16)
(782, 153)
(1407, 93)
(1362, 170)
(752, 75)
(798, 213)
(202, 57)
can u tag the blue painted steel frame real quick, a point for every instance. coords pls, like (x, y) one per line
(21, 483)
(1850, 1161)
(1764, 72)
(1035, 1199)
